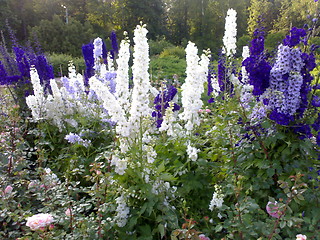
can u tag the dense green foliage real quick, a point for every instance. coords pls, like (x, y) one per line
(201, 21)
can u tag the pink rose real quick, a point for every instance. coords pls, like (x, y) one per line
(68, 212)
(8, 190)
(39, 221)
(301, 237)
(203, 237)
(273, 209)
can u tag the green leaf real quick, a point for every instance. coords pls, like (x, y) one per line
(282, 224)
(270, 172)
(161, 230)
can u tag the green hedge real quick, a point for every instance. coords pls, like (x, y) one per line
(60, 63)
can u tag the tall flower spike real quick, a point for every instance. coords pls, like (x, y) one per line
(194, 86)
(230, 34)
(37, 101)
(141, 82)
(122, 79)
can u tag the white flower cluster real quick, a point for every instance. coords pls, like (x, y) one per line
(50, 179)
(37, 101)
(97, 53)
(192, 152)
(217, 198)
(122, 211)
(111, 104)
(122, 79)
(141, 83)
(169, 123)
(120, 164)
(193, 87)
(230, 34)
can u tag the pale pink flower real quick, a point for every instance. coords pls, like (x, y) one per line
(208, 110)
(8, 190)
(301, 237)
(203, 237)
(68, 212)
(273, 209)
(39, 221)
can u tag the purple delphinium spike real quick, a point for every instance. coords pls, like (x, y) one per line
(104, 53)
(295, 37)
(114, 42)
(161, 102)
(222, 79)
(257, 67)
(3, 75)
(87, 52)
(22, 62)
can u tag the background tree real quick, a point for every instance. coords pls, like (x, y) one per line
(60, 37)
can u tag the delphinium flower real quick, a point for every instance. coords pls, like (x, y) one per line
(286, 82)
(256, 66)
(122, 78)
(111, 104)
(192, 152)
(76, 139)
(193, 86)
(22, 62)
(141, 83)
(230, 34)
(122, 211)
(44, 69)
(114, 43)
(87, 52)
(120, 164)
(97, 54)
(213, 84)
(217, 198)
(161, 102)
(3, 74)
(244, 73)
(39, 221)
(56, 107)
(169, 123)
(36, 102)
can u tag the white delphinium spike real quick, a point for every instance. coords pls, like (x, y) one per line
(141, 82)
(192, 152)
(111, 104)
(122, 211)
(122, 79)
(230, 34)
(217, 198)
(55, 105)
(245, 55)
(37, 101)
(97, 54)
(110, 63)
(169, 123)
(193, 87)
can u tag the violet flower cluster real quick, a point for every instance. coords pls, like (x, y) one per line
(283, 88)
(162, 101)
(257, 67)
(15, 69)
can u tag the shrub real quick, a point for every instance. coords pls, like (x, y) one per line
(157, 46)
(168, 67)
(173, 51)
(60, 63)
